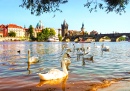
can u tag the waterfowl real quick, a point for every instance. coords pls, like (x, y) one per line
(105, 48)
(32, 59)
(54, 74)
(66, 58)
(52, 82)
(81, 52)
(88, 57)
(18, 51)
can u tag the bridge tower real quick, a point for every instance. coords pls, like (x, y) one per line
(82, 28)
(64, 29)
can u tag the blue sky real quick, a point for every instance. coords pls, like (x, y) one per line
(74, 13)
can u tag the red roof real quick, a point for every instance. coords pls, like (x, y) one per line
(13, 26)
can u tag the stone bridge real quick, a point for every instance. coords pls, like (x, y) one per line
(113, 37)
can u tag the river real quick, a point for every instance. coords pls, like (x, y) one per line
(112, 64)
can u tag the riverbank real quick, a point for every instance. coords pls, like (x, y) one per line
(26, 83)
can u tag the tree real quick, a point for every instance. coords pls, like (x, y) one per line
(39, 7)
(45, 34)
(12, 34)
(30, 32)
(122, 38)
(52, 32)
(111, 5)
(60, 37)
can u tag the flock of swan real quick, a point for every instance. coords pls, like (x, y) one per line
(54, 74)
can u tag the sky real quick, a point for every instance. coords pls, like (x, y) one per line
(74, 13)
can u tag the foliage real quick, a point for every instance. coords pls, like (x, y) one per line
(45, 34)
(30, 31)
(40, 36)
(122, 38)
(110, 5)
(60, 37)
(12, 34)
(52, 32)
(86, 33)
(106, 37)
(39, 7)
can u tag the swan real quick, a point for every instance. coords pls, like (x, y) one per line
(88, 57)
(81, 52)
(52, 82)
(32, 59)
(66, 58)
(54, 74)
(105, 48)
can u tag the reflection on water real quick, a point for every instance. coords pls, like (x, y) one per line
(114, 63)
(61, 81)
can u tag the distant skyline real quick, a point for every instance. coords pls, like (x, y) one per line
(74, 13)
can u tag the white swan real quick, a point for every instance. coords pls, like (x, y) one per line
(66, 58)
(52, 82)
(32, 59)
(81, 52)
(54, 73)
(105, 48)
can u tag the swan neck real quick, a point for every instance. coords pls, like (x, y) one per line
(28, 55)
(64, 68)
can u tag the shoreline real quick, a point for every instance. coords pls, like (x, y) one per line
(27, 83)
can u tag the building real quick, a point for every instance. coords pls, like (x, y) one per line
(82, 29)
(64, 29)
(3, 31)
(20, 32)
(93, 32)
(39, 27)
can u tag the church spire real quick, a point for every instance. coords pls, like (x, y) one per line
(82, 25)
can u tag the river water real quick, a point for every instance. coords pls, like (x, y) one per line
(112, 64)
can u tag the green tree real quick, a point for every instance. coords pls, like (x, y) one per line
(30, 32)
(39, 7)
(60, 37)
(40, 36)
(45, 34)
(52, 32)
(122, 38)
(12, 34)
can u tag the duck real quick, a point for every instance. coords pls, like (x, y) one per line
(32, 59)
(54, 74)
(18, 51)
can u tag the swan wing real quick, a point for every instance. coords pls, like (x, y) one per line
(52, 75)
(33, 59)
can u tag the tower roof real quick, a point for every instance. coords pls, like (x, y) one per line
(39, 24)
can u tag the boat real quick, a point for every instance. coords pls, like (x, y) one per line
(53, 39)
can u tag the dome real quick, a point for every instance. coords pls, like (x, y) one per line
(39, 25)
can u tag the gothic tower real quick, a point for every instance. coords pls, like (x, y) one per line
(64, 29)
(82, 28)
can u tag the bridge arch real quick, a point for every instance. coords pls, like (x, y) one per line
(104, 38)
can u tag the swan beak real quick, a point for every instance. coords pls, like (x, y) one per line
(68, 55)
